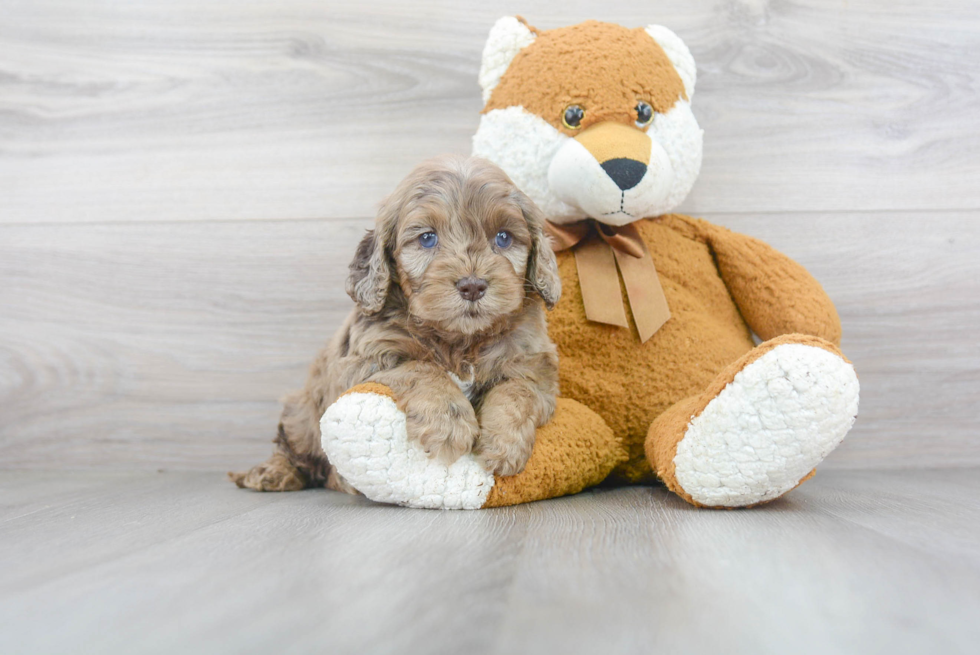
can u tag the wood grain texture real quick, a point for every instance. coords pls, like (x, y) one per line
(186, 110)
(167, 344)
(182, 184)
(852, 562)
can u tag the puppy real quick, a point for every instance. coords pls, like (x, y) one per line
(450, 287)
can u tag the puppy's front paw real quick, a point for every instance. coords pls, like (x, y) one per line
(445, 428)
(506, 440)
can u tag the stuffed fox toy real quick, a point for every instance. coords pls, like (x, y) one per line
(660, 376)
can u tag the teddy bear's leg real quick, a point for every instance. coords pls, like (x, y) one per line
(364, 437)
(573, 451)
(760, 427)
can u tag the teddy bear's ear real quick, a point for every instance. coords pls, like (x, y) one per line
(507, 37)
(679, 55)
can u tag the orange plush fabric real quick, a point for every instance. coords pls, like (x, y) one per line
(669, 427)
(628, 65)
(721, 421)
(575, 450)
(776, 295)
(617, 165)
(630, 384)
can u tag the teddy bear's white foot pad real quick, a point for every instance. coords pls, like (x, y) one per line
(364, 437)
(768, 428)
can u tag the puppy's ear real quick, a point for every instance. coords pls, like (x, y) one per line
(542, 267)
(370, 271)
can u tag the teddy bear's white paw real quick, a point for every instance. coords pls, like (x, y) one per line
(363, 435)
(779, 417)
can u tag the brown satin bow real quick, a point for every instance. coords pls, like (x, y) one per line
(598, 250)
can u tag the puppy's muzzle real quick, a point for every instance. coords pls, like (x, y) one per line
(472, 288)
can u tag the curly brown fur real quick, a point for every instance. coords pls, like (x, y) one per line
(414, 331)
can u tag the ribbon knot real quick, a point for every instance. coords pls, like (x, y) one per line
(599, 249)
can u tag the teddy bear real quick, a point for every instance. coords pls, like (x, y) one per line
(688, 354)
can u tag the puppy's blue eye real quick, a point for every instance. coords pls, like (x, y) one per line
(429, 240)
(503, 239)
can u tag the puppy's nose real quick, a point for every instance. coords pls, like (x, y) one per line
(626, 173)
(472, 288)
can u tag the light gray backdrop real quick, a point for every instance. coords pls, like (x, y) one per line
(182, 184)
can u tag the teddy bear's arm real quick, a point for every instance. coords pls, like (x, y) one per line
(775, 294)
(364, 436)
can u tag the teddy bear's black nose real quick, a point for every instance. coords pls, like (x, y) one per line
(472, 288)
(626, 173)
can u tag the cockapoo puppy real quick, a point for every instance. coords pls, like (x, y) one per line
(451, 287)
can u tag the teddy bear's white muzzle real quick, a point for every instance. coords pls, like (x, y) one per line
(615, 192)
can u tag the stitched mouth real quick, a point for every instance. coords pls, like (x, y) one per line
(622, 209)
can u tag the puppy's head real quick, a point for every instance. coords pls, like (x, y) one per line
(461, 242)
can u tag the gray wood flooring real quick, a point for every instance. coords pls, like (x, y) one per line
(135, 345)
(179, 110)
(852, 562)
(182, 183)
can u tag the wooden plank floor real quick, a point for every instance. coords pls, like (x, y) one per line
(852, 562)
(141, 346)
(182, 184)
(181, 110)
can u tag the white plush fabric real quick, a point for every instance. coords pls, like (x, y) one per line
(524, 144)
(558, 173)
(363, 435)
(568, 184)
(774, 423)
(679, 55)
(507, 36)
(680, 136)
(579, 180)
(779, 417)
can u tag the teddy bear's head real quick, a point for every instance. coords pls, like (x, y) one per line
(592, 120)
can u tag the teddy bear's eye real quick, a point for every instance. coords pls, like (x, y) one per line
(572, 118)
(644, 114)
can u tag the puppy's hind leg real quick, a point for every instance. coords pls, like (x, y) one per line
(298, 461)
(274, 474)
